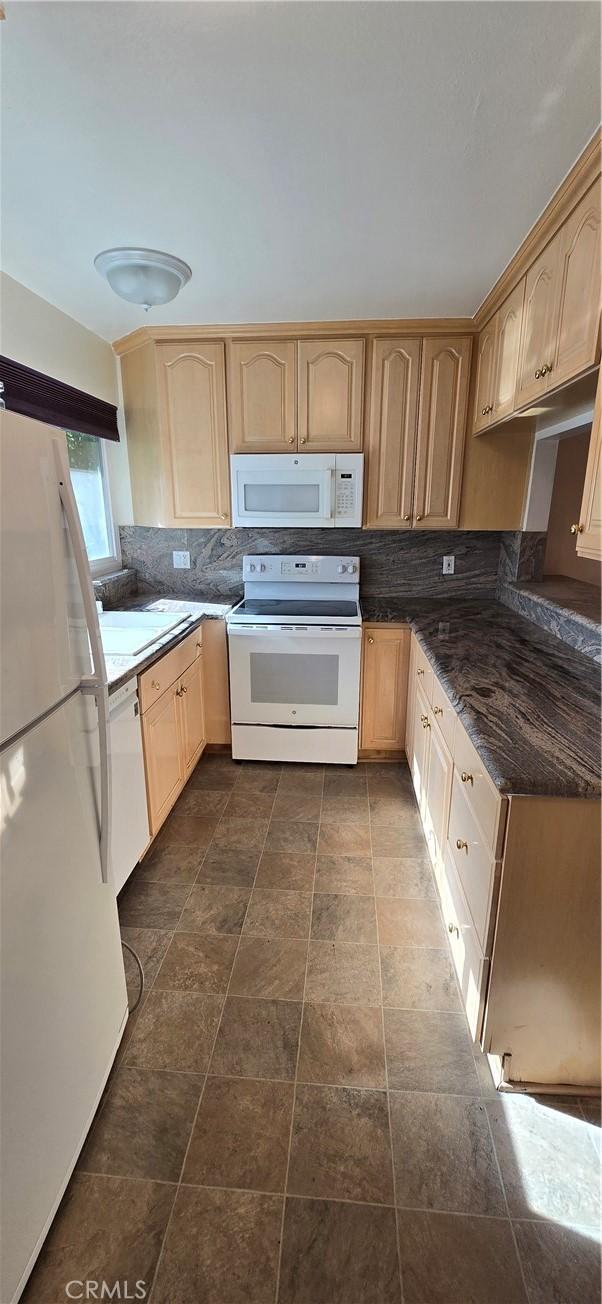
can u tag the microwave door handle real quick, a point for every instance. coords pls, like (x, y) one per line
(333, 489)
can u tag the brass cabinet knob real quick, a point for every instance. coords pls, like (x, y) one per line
(222, 516)
(538, 373)
(407, 518)
(184, 689)
(577, 528)
(370, 638)
(437, 710)
(484, 412)
(199, 647)
(178, 692)
(546, 369)
(426, 724)
(487, 409)
(291, 439)
(418, 518)
(156, 685)
(420, 672)
(303, 440)
(453, 928)
(466, 778)
(461, 844)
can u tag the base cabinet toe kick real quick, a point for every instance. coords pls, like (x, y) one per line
(519, 884)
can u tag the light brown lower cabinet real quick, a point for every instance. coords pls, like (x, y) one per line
(385, 658)
(519, 883)
(173, 737)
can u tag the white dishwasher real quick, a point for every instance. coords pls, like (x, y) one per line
(129, 814)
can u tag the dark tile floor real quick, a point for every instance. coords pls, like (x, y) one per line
(297, 1113)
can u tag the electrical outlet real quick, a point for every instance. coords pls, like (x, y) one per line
(449, 565)
(181, 560)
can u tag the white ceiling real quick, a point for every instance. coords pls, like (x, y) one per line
(321, 160)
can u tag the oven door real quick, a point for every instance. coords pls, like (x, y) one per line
(283, 675)
(283, 491)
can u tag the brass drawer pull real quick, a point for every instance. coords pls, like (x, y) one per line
(370, 638)
(199, 647)
(461, 844)
(437, 710)
(155, 684)
(179, 692)
(426, 724)
(538, 373)
(184, 689)
(420, 672)
(466, 778)
(577, 528)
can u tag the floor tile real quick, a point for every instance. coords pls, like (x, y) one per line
(301, 779)
(561, 1264)
(343, 971)
(150, 945)
(289, 871)
(409, 921)
(446, 1259)
(346, 874)
(340, 1146)
(388, 780)
(548, 1167)
(342, 1045)
(241, 1135)
(214, 908)
(235, 867)
(221, 1248)
(217, 773)
(411, 877)
(298, 837)
(300, 805)
(344, 918)
(418, 978)
(144, 1126)
(175, 1030)
(388, 841)
(394, 811)
(247, 804)
(345, 808)
(336, 1253)
(273, 913)
(270, 967)
(257, 1039)
(191, 830)
(107, 1229)
(176, 863)
(345, 785)
(152, 905)
(201, 802)
(196, 962)
(429, 1052)
(443, 1154)
(344, 839)
(259, 779)
(240, 834)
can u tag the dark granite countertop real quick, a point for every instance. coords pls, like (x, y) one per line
(529, 702)
(120, 668)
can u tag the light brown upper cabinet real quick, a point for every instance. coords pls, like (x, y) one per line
(330, 378)
(441, 431)
(484, 386)
(508, 322)
(391, 434)
(589, 527)
(261, 394)
(578, 314)
(175, 410)
(539, 319)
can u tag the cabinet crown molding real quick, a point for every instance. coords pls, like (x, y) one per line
(296, 330)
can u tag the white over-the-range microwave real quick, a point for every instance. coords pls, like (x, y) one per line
(318, 490)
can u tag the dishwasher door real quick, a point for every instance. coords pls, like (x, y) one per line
(130, 833)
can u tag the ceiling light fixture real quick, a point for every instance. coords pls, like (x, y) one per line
(144, 276)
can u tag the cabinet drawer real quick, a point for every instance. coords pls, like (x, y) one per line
(157, 679)
(469, 962)
(443, 712)
(422, 670)
(487, 805)
(472, 858)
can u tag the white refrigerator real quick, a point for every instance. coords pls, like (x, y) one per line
(63, 1001)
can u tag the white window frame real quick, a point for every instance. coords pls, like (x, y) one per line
(112, 562)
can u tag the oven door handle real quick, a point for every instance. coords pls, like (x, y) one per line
(295, 631)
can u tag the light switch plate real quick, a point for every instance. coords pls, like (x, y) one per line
(449, 565)
(181, 560)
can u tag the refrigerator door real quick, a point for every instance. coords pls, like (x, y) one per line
(45, 646)
(64, 1002)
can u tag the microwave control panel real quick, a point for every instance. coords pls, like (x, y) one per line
(345, 493)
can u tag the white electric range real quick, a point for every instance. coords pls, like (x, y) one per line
(294, 645)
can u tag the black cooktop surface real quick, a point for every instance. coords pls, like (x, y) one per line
(293, 607)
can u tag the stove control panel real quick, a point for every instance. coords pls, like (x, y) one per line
(317, 570)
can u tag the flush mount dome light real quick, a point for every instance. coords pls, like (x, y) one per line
(144, 276)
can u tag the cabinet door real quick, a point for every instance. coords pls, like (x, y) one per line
(261, 388)
(331, 387)
(438, 794)
(162, 756)
(589, 537)
(508, 328)
(578, 328)
(441, 432)
(538, 331)
(194, 436)
(192, 714)
(420, 748)
(386, 654)
(484, 366)
(391, 447)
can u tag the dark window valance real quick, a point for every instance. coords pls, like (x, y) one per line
(36, 395)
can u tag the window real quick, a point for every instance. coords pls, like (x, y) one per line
(87, 460)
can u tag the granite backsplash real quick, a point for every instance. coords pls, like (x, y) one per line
(394, 564)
